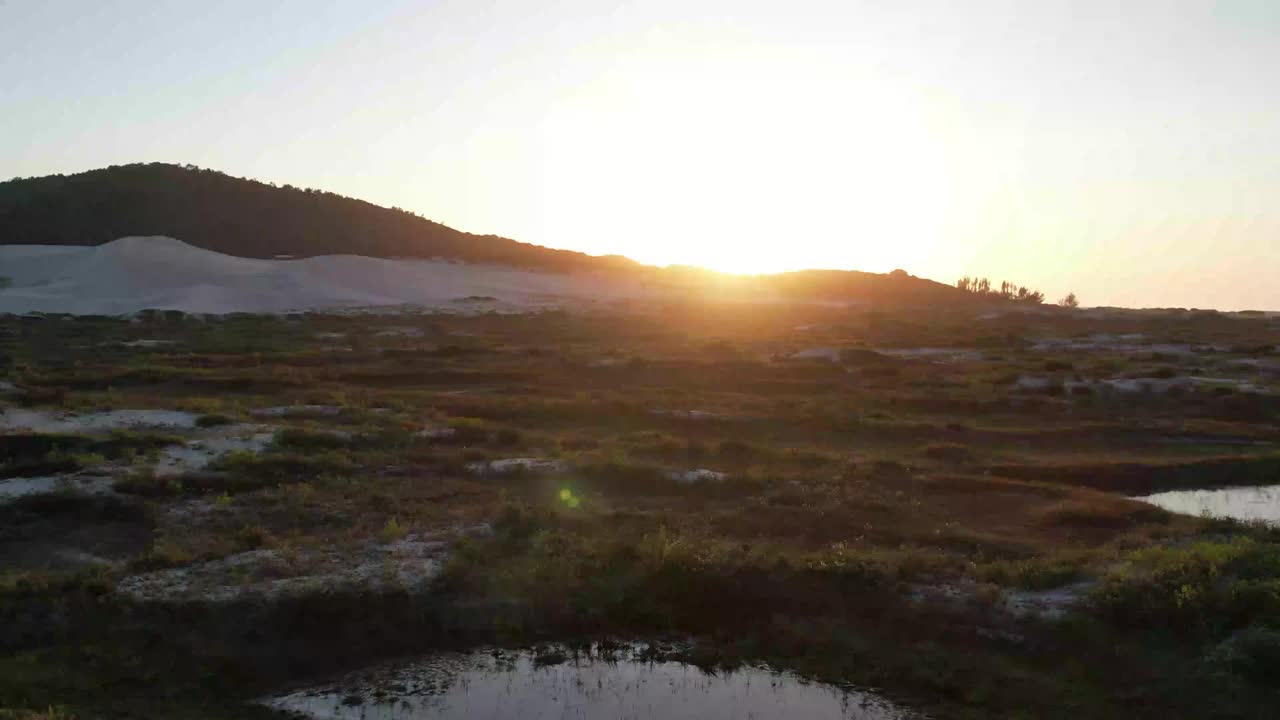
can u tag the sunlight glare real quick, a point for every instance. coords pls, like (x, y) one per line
(751, 162)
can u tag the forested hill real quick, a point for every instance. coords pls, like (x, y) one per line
(248, 218)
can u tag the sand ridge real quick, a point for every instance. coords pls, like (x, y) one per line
(161, 273)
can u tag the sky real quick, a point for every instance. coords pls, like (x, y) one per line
(1126, 151)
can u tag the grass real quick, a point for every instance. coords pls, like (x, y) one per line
(848, 486)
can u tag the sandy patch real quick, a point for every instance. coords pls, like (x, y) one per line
(13, 488)
(1184, 383)
(1051, 604)
(699, 475)
(298, 411)
(406, 332)
(436, 433)
(410, 563)
(1029, 382)
(511, 465)
(199, 453)
(828, 354)
(1130, 343)
(53, 421)
(940, 355)
(1046, 604)
(690, 414)
(1128, 386)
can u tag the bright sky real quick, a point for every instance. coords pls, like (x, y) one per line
(1129, 151)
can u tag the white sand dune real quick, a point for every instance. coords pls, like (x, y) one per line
(140, 273)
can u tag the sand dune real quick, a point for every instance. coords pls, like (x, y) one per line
(138, 273)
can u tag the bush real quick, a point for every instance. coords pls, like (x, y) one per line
(1209, 587)
(208, 421)
(1106, 512)
(299, 439)
(948, 452)
(736, 451)
(507, 437)
(393, 531)
(1253, 653)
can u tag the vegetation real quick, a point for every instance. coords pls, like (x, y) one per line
(1008, 291)
(873, 516)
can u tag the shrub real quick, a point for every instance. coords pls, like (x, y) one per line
(393, 531)
(1105, 512)
(212, 420)
(299, 439)
(1208, 587)
(736, 451)
(948, 452)
(575, 444)
(507, 437)
(1032, 574)
(253, 537)
(1253, 653)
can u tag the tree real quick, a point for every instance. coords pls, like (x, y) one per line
(1007, 290)
(1070, 301)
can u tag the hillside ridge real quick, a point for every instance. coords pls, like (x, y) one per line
(248, 218)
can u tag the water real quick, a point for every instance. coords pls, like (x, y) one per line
(1241, 503)
(514, 685)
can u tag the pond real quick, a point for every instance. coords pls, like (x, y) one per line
(506, 685)
(1241, 503)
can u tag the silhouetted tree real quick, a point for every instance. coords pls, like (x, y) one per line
(1008, 291)
(1070, 301)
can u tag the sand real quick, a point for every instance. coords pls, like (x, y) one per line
(160, 273)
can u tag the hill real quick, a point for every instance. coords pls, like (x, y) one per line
(245, 218)
(253, 219)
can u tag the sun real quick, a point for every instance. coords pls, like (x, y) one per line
(746, 166)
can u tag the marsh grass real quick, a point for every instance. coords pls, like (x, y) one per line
(847, 484)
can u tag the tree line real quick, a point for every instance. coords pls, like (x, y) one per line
(1011, 292)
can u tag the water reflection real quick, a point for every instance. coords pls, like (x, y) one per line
(1241, 503)
(509, 685)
